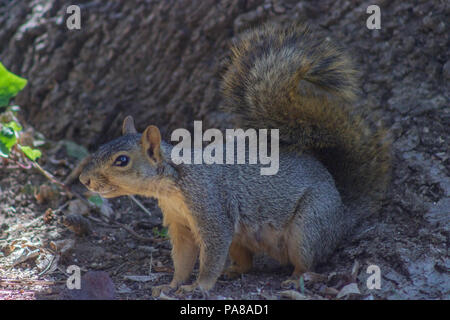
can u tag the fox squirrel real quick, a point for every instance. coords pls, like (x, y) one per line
(333, 168)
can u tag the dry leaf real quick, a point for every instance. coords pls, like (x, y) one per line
(293, 295)
(45, 194)
(355, 270)
(47, 263)
(351, 288)
(163, 269)
(150, 277)
(78, 207)
(26, 255)
(62, 246)
(330, 291)
(313, 277)
(48, 216)
(77, 223)
(163, 296)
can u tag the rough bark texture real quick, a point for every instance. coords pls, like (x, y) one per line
(161, 62)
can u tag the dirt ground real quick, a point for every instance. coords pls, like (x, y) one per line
(408, 240)
(405, 72)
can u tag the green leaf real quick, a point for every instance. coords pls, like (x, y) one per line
(10, 85)
(8, 138)
(75, 150)
(14, 125)
(163, 233)
(97, 200)
(4, 152)
(7, 132)
(31, 153)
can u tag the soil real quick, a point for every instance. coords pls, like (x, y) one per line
(87, 81)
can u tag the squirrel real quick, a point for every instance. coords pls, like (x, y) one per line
(333, 166)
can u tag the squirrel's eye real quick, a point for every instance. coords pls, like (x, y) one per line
(121, 161)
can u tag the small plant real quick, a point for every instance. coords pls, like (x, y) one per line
(96, 200)
(17, 147)
(11, 146)
(161, 233)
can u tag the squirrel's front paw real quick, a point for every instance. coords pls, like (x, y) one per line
(192, 288)
(165, 288)
(291, 283)
(187, 288)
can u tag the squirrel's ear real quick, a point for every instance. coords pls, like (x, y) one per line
(151, 142)
(128, 126)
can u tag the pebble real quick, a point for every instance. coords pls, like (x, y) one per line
(95, 285)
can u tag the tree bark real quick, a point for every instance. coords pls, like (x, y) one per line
(161, 61)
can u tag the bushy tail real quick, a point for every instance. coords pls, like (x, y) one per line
(285, 78)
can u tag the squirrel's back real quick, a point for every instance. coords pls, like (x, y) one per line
(286, 78)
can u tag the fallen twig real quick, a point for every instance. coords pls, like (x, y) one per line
(7, 282)
(135, 235)
(140, 205)
(70, 192)
(77, 171)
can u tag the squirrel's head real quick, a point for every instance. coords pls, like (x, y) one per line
(131, 164)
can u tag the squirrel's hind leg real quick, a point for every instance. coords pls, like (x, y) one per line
(298, 255)
(298, 261)
(313, 233)
(241, 261)
(300, 267)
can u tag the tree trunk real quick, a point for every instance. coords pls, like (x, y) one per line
(161, 61)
